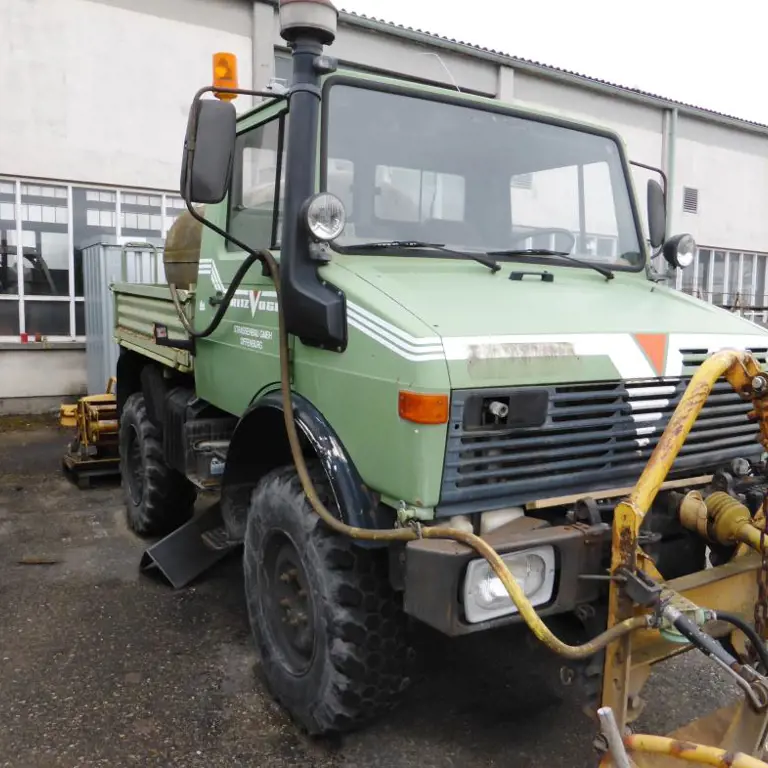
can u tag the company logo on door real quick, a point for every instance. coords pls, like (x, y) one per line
(256, 301)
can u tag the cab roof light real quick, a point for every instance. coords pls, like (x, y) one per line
(225, 74)
(420, 408)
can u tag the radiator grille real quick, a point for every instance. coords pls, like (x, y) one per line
(595, 436)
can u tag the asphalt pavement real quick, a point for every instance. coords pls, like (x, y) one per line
(103, 666)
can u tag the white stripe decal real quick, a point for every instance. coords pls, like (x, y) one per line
(421, 357)
(376, 321)
(622, 349)
(361, 323)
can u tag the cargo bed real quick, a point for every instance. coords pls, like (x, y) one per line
(137, 308)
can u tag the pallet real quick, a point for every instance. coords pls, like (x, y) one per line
(83, 472)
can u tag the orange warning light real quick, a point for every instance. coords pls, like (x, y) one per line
(225, 74)
(423, 409)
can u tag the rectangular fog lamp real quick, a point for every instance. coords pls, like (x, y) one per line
(485, 597)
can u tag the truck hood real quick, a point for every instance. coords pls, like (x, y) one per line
(579, 327)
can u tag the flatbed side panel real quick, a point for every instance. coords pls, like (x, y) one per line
(137, 308)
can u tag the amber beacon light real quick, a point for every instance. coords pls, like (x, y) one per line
(225, 74)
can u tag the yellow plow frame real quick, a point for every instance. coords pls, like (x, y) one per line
(734, 736)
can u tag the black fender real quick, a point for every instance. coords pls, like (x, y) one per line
(260, 444)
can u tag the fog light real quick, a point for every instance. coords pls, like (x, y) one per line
(485, 597)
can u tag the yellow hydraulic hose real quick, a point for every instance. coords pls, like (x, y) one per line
(516, 594)
(689, 752)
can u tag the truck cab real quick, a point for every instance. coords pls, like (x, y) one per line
(475, 337)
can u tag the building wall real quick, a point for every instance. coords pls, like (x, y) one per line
(730, 171)
(100, 91)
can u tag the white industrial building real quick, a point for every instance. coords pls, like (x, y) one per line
(95, 101)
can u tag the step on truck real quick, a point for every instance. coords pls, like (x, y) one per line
(414, 342)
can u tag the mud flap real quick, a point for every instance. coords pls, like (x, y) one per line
(190, 550)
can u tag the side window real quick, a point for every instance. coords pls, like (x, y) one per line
(409, 194)
(256, 200)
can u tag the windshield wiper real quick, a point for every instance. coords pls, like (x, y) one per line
(604, 271)
(482, 258)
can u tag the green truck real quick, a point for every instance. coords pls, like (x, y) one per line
(474, 337)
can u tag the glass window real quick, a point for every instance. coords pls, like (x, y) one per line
(410, 194)
(761, 300)
(747, 291)
(735, 292)
(687, 285)
(9, 318)
(48, 318)
(283, 68)
(79, 318)
(94, 216)
(705, 261)
(140, 216)
(8, 274)
(475, 179)
(718, 278)
(174, 206)
(255, 213)
(45, 245)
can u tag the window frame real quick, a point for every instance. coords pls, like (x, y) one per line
(261, 117)
(488, 105)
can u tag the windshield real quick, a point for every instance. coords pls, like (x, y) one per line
(411, 168)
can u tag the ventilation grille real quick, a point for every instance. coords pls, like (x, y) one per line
(690, 200)
(522, 181)
(594, 436)
(693, 358)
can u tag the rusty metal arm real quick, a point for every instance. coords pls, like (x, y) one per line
(742, 371)
(739, 368)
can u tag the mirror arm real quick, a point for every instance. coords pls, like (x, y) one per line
(186, 193)
(655, 170)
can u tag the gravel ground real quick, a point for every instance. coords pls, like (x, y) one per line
(102, 666)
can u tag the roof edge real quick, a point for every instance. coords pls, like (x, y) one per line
(538, 69)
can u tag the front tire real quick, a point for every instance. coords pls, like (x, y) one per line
(158, 499)
(329, 627)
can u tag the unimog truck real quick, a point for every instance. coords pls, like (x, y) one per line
(420, 310)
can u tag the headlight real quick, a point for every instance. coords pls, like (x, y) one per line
(325, 216)
(485, 597)
(680, 250)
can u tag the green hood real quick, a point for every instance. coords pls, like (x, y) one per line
(580, 327)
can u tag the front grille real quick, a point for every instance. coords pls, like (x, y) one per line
(595, 436)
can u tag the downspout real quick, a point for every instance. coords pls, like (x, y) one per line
(671, 147)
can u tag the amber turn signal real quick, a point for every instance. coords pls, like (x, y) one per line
(423, 409)
(225, 74)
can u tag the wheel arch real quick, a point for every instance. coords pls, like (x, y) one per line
(260, 444)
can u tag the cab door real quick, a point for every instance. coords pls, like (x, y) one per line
(241, 358)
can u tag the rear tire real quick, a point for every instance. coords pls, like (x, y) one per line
(158, 499)
(330, 629)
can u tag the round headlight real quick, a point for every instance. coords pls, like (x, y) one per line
(680, 250)
(325, 217)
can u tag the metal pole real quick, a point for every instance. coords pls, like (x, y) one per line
(610, 730)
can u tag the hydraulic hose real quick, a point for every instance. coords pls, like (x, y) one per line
(248, 262)
(754, 638)
(516, 594)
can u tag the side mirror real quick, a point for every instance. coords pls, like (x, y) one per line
(657, 213)
(680, 250)
(209, 150)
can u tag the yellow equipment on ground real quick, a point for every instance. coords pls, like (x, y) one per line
(94, 450)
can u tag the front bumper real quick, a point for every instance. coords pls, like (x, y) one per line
(435, 570)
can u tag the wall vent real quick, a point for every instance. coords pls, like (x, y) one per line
(690, 200)
(523, 181)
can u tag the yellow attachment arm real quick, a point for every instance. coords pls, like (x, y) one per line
(690, 753)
